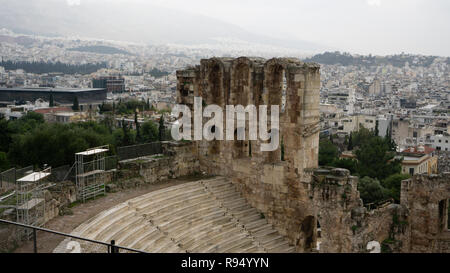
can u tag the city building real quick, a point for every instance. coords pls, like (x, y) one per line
(419, 160)
(60, 95)
(113, 84)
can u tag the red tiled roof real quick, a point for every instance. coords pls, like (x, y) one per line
(415, 150)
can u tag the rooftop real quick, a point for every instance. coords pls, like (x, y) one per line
(34, 177)
(47, 89)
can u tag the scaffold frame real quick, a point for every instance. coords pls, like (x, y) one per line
(90, 175)
(30, 198)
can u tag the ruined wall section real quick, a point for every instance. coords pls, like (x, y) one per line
(346, 225)
(178, 159)
(426, 198)
(277, 187)
(293, 195)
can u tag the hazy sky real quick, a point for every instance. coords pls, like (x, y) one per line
(358, 26)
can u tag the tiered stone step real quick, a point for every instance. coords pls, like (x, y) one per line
(203, 216)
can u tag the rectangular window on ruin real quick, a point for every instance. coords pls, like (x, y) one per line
(444, 215)
(448, 214)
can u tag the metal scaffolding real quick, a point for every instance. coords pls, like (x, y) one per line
(90, 172)
(30, 198)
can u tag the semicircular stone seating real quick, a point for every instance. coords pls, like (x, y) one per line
(197, 217)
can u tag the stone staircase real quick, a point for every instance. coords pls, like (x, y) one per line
(206, 216)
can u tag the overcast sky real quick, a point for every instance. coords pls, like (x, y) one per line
(358, 26)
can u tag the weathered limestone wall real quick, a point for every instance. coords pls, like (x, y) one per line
(426, 198)
(178, 159)
(278, 188)
(346, 225)
(418, 224)
(287, 190)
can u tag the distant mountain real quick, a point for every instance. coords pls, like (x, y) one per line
(346, 59)
(142, 23)
(21, 40)
(99, 50)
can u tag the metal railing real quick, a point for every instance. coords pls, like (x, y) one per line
(379, 204)
(136, 151)
(111, 247)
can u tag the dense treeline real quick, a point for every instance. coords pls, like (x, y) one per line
(49, 67)
(158, 73)
(100, 50)
(376, 165)
(126, 108)
(32, 141)
(346, 59)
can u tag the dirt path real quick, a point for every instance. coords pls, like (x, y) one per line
(83, 212)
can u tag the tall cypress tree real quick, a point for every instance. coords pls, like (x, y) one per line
(377, 132)
(161, 128)
(126, 134)
(138, 129)
(350, 142)
(76, 105)
(51, 102)
(390, 142)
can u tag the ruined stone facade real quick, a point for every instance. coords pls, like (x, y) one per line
(290, 190)
(277, 186)
(426, 199)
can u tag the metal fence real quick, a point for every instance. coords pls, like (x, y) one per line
(7, 180)
(111, 162)
(69, 243)
(62, 173)
(136, 151)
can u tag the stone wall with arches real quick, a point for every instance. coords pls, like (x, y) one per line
(307, 204)
(276, 185)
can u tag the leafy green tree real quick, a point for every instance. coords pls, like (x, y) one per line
(4, 163)
(108, 121)
(54, 144)
(327, 152)
(361, 137)
(393, 184)
(150, 132)
(122, 109)
(127, 138)
(346, 163)
(371, 190)
(118, 137)
(376, 160)
(5, 135)
(106, 107)
(39, 118)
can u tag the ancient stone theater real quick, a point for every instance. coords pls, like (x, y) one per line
(253, 201)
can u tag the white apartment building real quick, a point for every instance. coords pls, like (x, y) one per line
(355, 122)
(439, 142)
